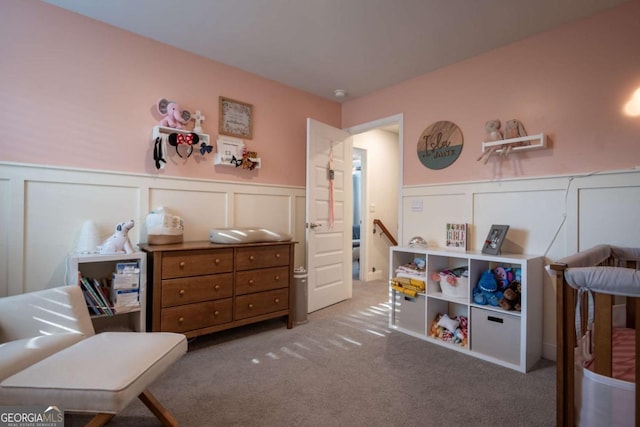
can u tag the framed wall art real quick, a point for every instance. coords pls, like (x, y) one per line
(495, 239)
(236, 118)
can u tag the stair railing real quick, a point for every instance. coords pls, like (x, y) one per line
(384, 231)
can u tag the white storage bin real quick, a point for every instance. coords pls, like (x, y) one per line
(459, 290)
(409, 313)
(496, 334)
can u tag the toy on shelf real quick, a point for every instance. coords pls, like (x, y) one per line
(119, 242)
(174, 116)
(454, 330)
(515, 139)
(486, 291)
(492, 127)
(513, 129)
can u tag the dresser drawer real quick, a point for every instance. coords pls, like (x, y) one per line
(195, 316)
(196, 263)
(262, 257)
(196, 289)
(261, 280)
(251, 305)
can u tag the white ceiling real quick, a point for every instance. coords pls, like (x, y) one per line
(322, 45)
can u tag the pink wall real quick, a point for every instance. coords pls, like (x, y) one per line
(569, 83)
(80, 93)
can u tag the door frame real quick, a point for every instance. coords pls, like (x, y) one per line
(396, 119)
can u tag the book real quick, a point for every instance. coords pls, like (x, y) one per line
(456, 237)
(103, 294)
(90, 304)
(90, 293)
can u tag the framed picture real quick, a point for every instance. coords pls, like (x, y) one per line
(495, 239)
(236, 118)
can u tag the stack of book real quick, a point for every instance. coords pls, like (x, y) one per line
(97, 295)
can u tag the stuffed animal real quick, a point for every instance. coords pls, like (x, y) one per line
(119, 241)
(513, 129)
(486, 291)
(174, 117)
(502, 277)
(493, 130)
(511, 298)
(492, 127)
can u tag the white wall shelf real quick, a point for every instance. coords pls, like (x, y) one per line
(523, 143)
(164, 130)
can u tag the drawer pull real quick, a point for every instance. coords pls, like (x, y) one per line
(250, 305)
(181, 293)
(276, 278)
(181, 264)
(217, 261)
(277, 300)
(251, 257)
(216, 313)
(251, 282)
(495, 319)
(216, 287)
(181, 320)
(277, 256)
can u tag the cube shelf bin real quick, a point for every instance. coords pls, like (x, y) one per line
(506, 337)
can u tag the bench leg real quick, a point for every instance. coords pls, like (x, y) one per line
(158, 410)
(99, 420)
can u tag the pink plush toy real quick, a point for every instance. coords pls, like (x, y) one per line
(174, 117)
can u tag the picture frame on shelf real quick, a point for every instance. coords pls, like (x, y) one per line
(495, 239)
(235, 118)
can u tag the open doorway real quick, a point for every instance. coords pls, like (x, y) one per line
(359, 159)
(376, 194)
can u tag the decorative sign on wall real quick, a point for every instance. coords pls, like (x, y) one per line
(440, 145)
(235, 118)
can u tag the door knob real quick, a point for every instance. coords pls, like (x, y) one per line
(314, 225)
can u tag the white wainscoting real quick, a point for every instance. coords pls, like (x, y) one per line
(42, 210)
(550, 216)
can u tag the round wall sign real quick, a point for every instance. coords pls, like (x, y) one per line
(440, 145)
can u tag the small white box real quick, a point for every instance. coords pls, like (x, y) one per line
(125, 281)
(124, 297)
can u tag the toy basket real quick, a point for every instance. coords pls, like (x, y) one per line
(459, 290)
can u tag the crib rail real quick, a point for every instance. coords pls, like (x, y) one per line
(566, 299)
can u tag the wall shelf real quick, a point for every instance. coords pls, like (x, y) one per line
(535, 142)
(164, 130)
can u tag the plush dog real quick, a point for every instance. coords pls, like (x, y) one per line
(119, 241)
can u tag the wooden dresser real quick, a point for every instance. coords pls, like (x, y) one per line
(196, 288)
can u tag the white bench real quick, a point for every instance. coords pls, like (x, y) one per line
(50, 355)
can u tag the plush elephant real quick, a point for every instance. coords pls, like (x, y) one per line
(174, 117)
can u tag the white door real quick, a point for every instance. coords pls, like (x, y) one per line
(329, 215)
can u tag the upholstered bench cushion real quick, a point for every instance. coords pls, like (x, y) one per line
(102, 373)
(246, 235)
(20, 354)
